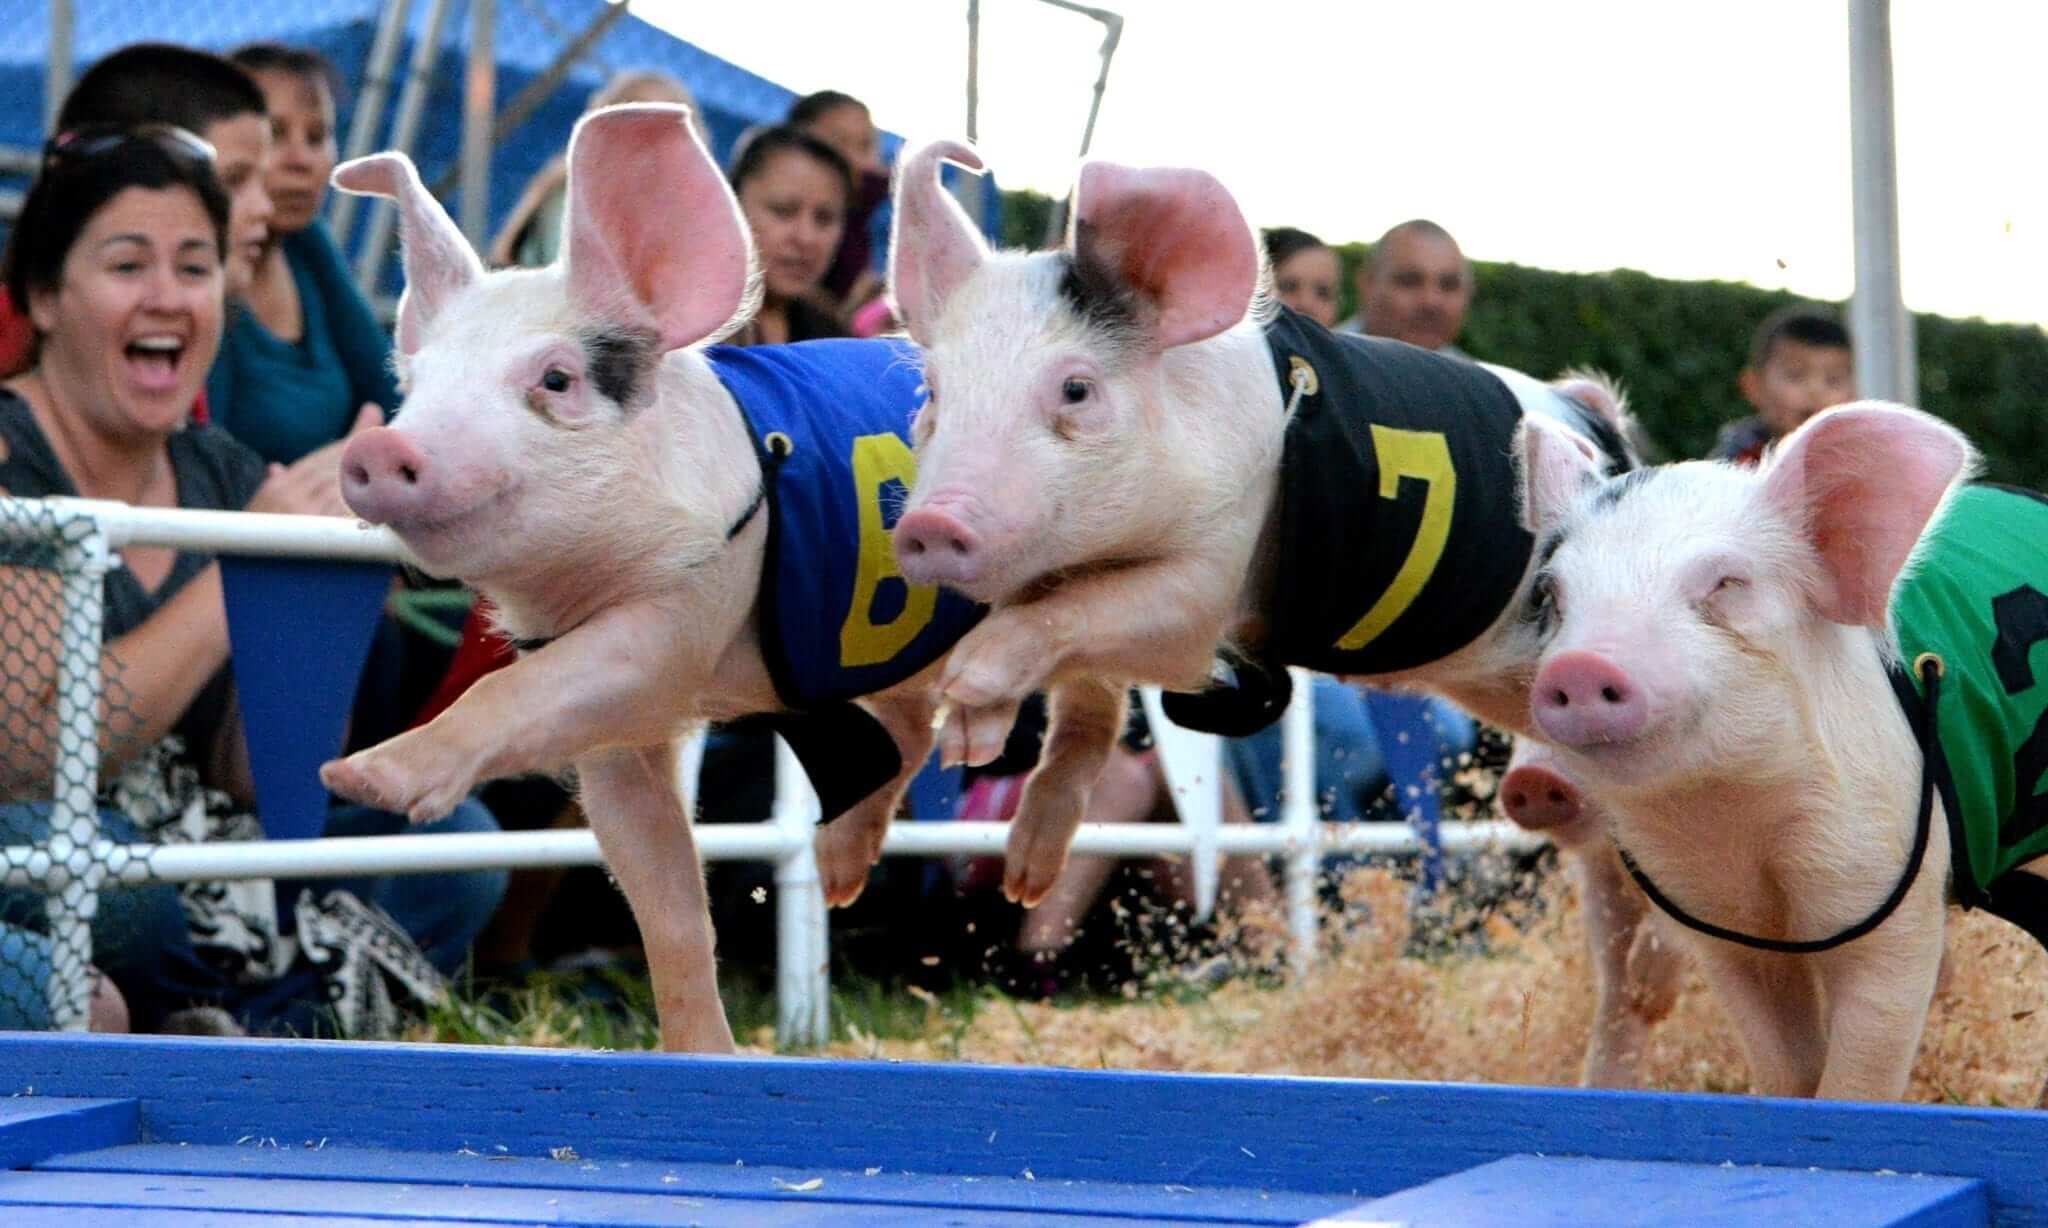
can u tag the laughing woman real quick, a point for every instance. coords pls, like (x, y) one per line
(118, 256)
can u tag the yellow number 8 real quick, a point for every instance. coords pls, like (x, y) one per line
(1424, 456)
(877, 460)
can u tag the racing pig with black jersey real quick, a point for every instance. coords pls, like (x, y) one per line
(1152, 473)
(671, 534)
(1810, 698)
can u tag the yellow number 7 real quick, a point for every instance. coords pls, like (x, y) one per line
(1422, 455)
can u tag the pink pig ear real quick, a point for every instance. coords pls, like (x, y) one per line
(438, 260)
(934, 246)
(653, 237)
(1557, 466)
(1865, 480)
(1174, 236)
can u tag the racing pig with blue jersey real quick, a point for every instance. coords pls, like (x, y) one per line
(671, 531)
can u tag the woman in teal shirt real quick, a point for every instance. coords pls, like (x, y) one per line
(304, 359)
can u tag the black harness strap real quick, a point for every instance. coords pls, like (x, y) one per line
(1922, 717)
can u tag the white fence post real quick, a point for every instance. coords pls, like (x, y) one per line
(1193, 766)
(803, 988)
(1298, 817)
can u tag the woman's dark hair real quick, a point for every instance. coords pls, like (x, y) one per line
(84, 169)
(808, 108)
(301, 62)
(160, 83)
(757, 147)
(1283, 243)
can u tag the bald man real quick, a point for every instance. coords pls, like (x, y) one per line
(1415, 286)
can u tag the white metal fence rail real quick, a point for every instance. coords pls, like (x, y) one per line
(75, 863)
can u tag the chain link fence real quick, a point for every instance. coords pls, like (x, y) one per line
(62, 713)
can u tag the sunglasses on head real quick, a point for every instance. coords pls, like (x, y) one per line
(97, 140)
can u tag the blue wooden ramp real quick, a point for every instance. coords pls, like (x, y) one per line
(177, 1132)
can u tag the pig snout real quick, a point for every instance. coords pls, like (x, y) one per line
(936, 545)
(1539, 799)
(384, 476)
(1582, 699)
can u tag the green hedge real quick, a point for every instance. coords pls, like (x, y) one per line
(1677, 348)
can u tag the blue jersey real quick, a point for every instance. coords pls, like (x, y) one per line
(831, 420)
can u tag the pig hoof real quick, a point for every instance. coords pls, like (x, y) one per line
(347, 779)
(1032, 889)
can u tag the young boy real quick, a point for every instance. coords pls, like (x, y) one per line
(202, 93)
(1800, 362)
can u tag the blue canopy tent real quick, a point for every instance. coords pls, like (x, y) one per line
(547, 56)
(575, 44)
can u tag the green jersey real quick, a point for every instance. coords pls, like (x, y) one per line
(1972, 600)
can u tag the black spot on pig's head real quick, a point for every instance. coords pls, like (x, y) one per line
(1614, 490)
(1101, 298)
(621, 364)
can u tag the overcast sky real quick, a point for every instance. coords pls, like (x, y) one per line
(1702, 140)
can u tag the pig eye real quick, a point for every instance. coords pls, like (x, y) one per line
(1543, 600)
(1075, 391)
(555, 380)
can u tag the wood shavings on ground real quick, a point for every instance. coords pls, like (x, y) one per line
(1518, 1013)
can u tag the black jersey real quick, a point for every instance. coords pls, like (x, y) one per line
(1399, 534)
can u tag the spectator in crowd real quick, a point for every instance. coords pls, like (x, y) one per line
(1305, 273)
(843, 122)
(1415, 285)
(795, 191)
(304, 360)
(119, 257)
(1800, 362)
(194, 90)
(532, 234)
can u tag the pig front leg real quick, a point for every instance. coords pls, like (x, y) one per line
(1083, 720)
(1877, 1003)
(1157, 622)
(1774, 1003)
(851, 844)
(619, 679)
(642, 823)
(1635, 971)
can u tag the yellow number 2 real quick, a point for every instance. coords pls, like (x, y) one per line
(1424, 456)
(878, 460)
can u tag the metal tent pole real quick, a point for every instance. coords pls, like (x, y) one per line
(1886, 364)
(412, 101)
(537, 91)
(479, 106)
(369, 112)
(976, 201)
(57, 73)
(1112, 33)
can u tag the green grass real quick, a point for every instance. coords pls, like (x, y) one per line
(613, 1009)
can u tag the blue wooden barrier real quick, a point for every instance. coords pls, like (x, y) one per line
(174, 1132)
